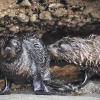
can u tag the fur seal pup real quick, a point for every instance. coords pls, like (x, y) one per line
(25, 59)
(83, 52)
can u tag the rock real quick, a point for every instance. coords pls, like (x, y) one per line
(22, 10)
(69, 16)
(59, 12)
(91, 87)
(33, 17)
(14, 28)
(2, 14)
(25, 3)
(55, 6)
(45, 15)
(22, 17)
(34, 1)
(51, 1)
(5, 4)
(11, 13)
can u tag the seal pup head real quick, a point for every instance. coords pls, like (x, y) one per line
(10, 47)
(61, 48)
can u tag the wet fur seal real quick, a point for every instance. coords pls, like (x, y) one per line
(24, 59)
(82, 52)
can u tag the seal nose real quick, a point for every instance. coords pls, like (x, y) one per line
(7, 49)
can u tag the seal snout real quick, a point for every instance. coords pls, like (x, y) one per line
(53, 50)
(8, 49)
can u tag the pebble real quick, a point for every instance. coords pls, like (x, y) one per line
(5, 4)
(33, 17)
(25, 3)
(89, 88)
(2, 14)
(55, 5)
(11, 13)
(34, 1)
(50, 1)
(22, 10)
(59, 12)
(14, 28)
(22, 17)
(45, 15)
(96, 15)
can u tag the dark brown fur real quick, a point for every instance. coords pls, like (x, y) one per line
(24, 59)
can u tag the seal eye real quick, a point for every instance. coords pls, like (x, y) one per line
(16, 44)
(62, 45)
(65, 47)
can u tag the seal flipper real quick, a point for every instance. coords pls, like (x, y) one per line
(7, 87)
(85, 80)
(59, 87)
(86, 77)
(39, 86)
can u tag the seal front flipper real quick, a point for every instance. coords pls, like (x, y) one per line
(86, 77)
(85, 80)
(7, 87)
(38, 84)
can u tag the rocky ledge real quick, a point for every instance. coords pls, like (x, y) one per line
(48, 17)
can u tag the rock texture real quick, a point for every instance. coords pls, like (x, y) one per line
(50, 17)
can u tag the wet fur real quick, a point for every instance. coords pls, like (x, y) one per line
(85, 53)
(29, 64)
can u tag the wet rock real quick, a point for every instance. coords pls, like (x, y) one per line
(22, 17)
(11, 13)
(2, 14)
(34, 1)
(14, 28)
(91, 87)
(45, 15)
(55, 6)
(22, 10)
(75, 2)
(5, 4)
(59, 12)
(51, 1)
(52, 16)
(96, 14)
(33, 17)
(25, 3)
